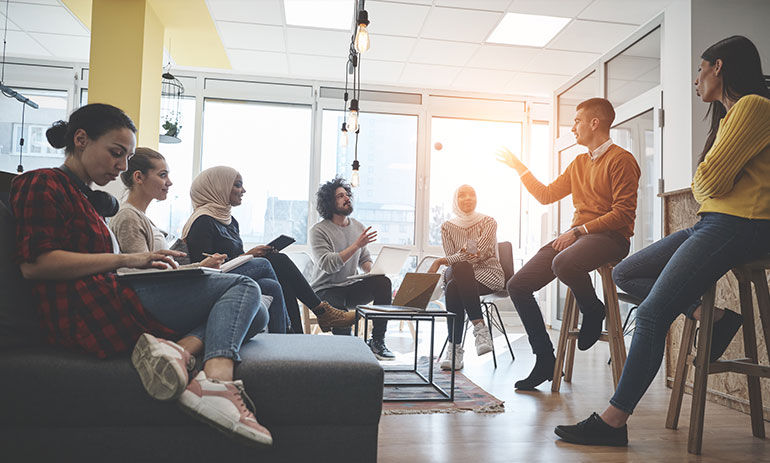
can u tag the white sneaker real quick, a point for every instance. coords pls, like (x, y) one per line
(162, 366)
(446, 362)
(483, 339)
(220, 404)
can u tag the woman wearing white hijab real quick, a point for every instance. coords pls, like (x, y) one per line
(470, 245)
(212, 229)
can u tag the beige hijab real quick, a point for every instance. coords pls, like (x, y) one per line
(464, 219)
(210, 194)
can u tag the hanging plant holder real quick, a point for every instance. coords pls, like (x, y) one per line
(171, 94)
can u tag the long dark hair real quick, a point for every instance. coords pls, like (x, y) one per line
(96, 119)
(741, 76)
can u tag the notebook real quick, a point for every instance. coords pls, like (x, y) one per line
(126, 273)
(389, 261)
(412, 296)
(235, 262)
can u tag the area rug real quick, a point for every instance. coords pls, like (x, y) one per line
(468, 395)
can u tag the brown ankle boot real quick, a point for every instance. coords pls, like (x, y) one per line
(333, 318)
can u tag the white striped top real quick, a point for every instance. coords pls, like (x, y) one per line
(486, 267)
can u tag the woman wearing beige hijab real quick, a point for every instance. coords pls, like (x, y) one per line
(212, 229)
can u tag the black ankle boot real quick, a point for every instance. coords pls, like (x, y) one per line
(724, 331)
(542, 372)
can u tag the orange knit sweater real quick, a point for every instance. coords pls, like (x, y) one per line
(603, 191)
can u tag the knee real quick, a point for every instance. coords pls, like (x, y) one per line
(516, 290)
(248, 285)
(383, 283)
(462, 268)
(563, 268)
(619, 274)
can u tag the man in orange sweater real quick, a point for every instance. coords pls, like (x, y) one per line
(603, 184)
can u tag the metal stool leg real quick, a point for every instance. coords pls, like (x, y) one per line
(489, 327)
(501, 327)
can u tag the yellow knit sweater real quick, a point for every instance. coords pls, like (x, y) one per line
(734, 177)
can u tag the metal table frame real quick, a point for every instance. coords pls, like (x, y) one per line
(417, 316)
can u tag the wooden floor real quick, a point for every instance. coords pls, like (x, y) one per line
(525, 431)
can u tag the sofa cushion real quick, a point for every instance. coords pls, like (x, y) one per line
(18, 320)
(292, 379)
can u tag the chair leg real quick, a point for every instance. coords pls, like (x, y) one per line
(502, 329)
(571, 342)
(561, 347)
(306, 319)
(680, 375)
(489, 327)
(750, 348)
(698, 409)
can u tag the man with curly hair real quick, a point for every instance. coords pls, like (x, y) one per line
(338, 243)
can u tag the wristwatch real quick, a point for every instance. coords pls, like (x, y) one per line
(576, 232)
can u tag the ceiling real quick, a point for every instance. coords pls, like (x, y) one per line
(432, 44)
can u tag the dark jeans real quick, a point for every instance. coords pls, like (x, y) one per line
(462, 293)
(294, 286)
(260, 270)
(572, 266)
(375, 289)
(691, 261)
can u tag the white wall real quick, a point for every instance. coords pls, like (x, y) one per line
(677, 96)
(691, 26)
(714, 20)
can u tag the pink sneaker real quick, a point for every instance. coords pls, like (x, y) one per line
(220, 404)
(162, 366)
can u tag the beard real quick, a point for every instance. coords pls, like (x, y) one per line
(344, 210)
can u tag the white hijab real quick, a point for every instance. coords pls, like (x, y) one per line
(464, 219)
(210, 194)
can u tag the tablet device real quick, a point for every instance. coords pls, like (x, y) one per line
(281, 242)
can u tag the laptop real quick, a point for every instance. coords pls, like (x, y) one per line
(389, 261)
(412, 296)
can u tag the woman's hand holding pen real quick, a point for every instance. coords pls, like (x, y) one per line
(213, 260)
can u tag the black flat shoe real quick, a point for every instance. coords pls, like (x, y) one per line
(723, 333)
(541, 372)
(593, 431)
(590, 329)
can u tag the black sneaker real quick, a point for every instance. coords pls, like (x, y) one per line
(590, 329)
(593, 431)
(541, 372)
(723, 333)
(380, 350)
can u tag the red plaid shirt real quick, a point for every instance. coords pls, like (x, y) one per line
(95, 313)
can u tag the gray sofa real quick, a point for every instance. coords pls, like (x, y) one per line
(321, 397)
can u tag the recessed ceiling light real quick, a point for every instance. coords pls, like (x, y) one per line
(327, 14)
(527, 29)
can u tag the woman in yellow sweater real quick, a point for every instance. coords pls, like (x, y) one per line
(732, 185)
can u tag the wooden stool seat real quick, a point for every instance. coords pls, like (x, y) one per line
(565, 350)
(747, 274)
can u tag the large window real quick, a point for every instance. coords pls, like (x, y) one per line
(635, 70)
(387, 151)
(269, 144)
(463, 152)
(587, 88)
(535, 215)
(37, 152)
(171, 214)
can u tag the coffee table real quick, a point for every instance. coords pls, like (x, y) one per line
(422, 381)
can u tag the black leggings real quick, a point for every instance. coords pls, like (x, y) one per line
(462, 291)
(294, 286)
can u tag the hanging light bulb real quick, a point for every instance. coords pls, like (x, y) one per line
(362, 34)
(354, 179)
(344, 136)
(353, 116)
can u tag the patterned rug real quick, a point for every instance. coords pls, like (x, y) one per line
(468, 395)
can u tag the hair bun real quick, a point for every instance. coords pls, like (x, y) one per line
(56, 133)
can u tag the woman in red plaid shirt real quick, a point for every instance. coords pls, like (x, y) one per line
(66, 249)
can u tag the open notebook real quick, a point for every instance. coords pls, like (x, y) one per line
(183, 270)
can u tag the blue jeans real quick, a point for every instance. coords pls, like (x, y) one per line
(260, 270)
(572, 266)
(690, 261)
(221, 310)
